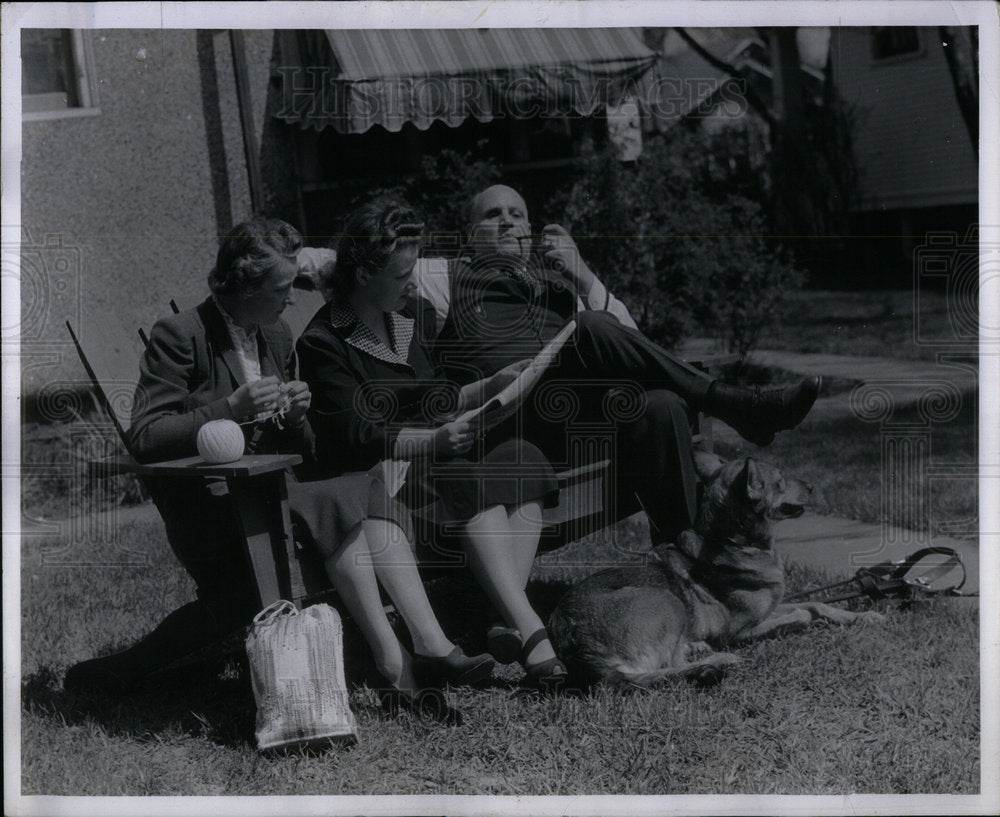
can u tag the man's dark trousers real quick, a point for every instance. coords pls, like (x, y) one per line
(613, 384)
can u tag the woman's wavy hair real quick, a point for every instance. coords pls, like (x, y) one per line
(371, 234)
(249, 252)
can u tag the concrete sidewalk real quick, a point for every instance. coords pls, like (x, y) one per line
(883, 385)
(841, 546)
(903, 383)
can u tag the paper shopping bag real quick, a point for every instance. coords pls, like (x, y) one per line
(297, 673)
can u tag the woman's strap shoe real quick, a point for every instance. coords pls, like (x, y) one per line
(455, 668)
(503, 643)
(547, 676)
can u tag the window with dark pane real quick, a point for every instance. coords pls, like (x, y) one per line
(895, 41)
(47, 65)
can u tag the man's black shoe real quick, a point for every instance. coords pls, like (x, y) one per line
(757, 414)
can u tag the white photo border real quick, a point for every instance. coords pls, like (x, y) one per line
(515, 13)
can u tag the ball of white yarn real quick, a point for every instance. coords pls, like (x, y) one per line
(220, 441)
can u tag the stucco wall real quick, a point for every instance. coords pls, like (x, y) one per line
(121, 210)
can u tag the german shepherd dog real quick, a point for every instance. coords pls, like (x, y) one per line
(720, 584)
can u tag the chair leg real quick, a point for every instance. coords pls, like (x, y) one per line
(261, 505)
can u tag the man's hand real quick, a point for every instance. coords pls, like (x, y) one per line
(295, 395)
(561, 253)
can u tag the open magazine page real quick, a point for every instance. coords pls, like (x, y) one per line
(494, 410)
(505, 402)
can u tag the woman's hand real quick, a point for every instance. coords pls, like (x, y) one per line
(297, 396)
(454, 438)
(474, 394)
(252, 399)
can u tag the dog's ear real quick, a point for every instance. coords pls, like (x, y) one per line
(706, 464)
(754, 480)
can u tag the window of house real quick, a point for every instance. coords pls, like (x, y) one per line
(895, 41)
(56, 73)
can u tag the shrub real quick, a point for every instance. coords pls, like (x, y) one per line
(685, 256)
(439, 193)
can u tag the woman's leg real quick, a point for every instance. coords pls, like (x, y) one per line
(501, 575)
(350, 569)
(392, 558)
(525, 528)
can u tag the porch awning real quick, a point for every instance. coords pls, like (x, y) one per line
(351, 80)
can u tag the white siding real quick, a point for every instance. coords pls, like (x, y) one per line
(911, 142)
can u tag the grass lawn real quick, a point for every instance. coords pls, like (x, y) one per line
(843, 462)
(890, 323)
(889, 708)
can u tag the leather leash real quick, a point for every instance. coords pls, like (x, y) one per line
(893, 580)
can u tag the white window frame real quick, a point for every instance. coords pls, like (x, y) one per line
(51, 105)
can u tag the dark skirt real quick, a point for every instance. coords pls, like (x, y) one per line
(324, 511)
(509, 473)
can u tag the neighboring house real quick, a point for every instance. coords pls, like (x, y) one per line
(918, 170)
(692, 89)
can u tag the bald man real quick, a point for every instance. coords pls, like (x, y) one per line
(507, 296)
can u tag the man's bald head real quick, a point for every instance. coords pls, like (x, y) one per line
(498, 223)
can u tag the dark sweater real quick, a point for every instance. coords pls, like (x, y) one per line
(495, 318)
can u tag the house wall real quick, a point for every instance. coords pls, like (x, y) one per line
(911, 142)
(121, 210)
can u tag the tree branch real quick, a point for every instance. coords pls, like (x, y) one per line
(963, 80)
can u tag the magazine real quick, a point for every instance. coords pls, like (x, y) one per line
(506, 401)
(498, 408)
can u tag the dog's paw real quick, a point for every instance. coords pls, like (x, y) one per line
(870, 617)
(711, 670)
(694, 651)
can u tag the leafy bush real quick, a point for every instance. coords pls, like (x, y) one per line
(439, 193)
(684, 253)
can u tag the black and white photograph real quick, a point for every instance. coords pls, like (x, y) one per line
(500, 408)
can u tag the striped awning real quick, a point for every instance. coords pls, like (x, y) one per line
(351, 80)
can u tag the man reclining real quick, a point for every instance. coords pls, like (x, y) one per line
(505, 301)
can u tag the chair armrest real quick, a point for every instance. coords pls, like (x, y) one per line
(582, 473)
(247, 466)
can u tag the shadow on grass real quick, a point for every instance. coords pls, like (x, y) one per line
(212, 700)
(465, 613)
